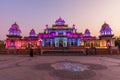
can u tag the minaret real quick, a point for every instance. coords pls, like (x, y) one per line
(74, 28)
(46, 30)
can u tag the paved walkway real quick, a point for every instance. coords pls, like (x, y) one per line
(23, 67)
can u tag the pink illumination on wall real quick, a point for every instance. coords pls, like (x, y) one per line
(7, 43)
(75, 36)
(69, 34)
(38, 43)
(60, 27)
(39, 36)
(18, 44)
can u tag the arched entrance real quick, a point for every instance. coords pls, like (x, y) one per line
(60, 42)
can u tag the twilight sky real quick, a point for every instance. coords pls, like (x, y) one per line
(36, 14)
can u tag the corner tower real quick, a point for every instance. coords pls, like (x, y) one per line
(14, 37)
(106, 35)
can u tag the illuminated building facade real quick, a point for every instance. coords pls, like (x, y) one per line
(59, 35)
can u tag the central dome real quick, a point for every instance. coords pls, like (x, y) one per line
(60, 21)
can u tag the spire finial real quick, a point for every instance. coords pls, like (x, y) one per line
(105, 22)
(46, 26)
(15, 22)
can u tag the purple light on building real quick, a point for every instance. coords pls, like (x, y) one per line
(32, 33)
(87, 32)
(60, 21)
(75, 35)
(69, 34)
(105, 29)
(14, 30)
(81, 35)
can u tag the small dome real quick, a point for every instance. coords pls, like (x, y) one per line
(32, 33)
(87, 32)
(105, 26)
(60, 21)
(14, 29)
(105, 29)
(15, 26)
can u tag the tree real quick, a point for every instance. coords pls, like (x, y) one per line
(117, 43)
(2, 44)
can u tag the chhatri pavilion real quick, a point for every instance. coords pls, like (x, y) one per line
(59, 35)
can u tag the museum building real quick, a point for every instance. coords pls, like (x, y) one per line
(60, 35)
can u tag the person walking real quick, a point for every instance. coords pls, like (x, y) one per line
(30, 47)
(31, 52)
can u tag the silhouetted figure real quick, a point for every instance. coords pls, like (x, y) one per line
(39, 50)
(31, 52)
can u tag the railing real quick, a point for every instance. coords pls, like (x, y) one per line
(112, 50)
(71, 49)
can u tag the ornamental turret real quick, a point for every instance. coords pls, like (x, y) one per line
(87, 32)
(60, 21)
(14, 30)
(74, 28)
(87, 35)
(32, 33)
(105, 30)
